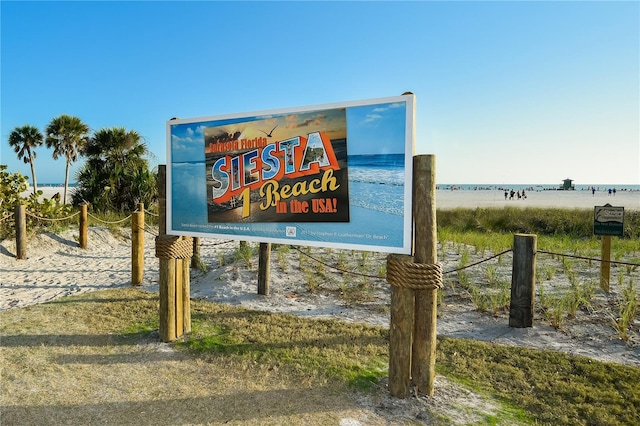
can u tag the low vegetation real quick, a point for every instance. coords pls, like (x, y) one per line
(97, 357)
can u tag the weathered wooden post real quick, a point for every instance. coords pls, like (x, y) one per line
(195, 260)
(264, 268)
(605, 264)
(414, 282)
(174, 287)
(523, 278)
(167, 291)
(137, 245)
(20, 214)
(425, 252)
(162, 199)
(186, 292)
(400, 339)
(83, 226)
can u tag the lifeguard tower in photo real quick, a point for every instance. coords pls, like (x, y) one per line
(567, 185)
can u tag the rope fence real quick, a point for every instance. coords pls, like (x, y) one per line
(47, 219)
(108, 221)
(345, 271)
(592, 259)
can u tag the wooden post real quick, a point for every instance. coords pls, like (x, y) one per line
(605, 265)
(162, 199)
(174, 285)
(21, 231)
(167, 268)
(83, 226)
(186, 297)
(195, 260)
(400, 336)
(137, 245)
(423, 362)
(264, 268)
(523, 278)
(167, 290)
(178, 301)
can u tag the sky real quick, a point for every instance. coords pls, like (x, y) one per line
(506, 92)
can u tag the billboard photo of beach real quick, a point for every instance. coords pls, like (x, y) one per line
(287, 168)
(336, 175)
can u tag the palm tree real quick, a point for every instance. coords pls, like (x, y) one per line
(24, 140)
(116, 174)
(67, 135)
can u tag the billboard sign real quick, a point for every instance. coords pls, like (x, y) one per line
(608, 220)
(335, 175)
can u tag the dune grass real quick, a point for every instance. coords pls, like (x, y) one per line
(97, 357)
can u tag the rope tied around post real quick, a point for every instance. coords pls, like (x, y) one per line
(403, 272)
(174, 247)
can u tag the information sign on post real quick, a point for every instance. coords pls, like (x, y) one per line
(336, 175)
(608, 220)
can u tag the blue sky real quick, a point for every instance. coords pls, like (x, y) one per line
(507, 92)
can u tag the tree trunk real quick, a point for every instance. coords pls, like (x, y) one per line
(33, 175)
(66, 182)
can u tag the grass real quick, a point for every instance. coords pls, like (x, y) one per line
(96, 357)
(627, 310)
(551, 388)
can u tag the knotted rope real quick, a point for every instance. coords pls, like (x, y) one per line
(174, 247)
(403, 272)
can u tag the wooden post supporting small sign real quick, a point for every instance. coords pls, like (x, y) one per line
(605, 263)
(608, 221)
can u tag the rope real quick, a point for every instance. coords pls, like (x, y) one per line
(150, 213)
(5, 218)
(403, 272)
(150, 231)
(216, 244)
(174, 247)
(478, 262)
(106, 221)
(588, 258)
(51, 219)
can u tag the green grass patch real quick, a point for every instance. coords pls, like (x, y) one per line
(82, 356)
(552, 387)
